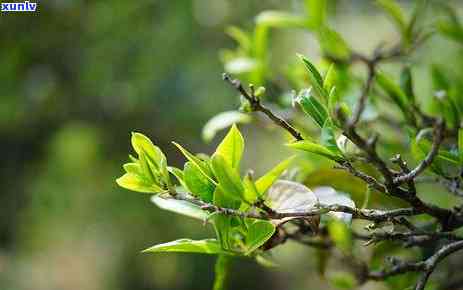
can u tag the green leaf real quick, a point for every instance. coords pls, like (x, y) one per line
(149, 170)
(417, 14)
(342, 280)
(451, 30)
(222, 226)
(143, 146)
(229, 180)
(251, 194)
(328, 139)
(312, 107)
(444, 155)
(316, 149)
(332, 43)
(197, 183)
(202, 166)
(264, 259)
(344, 109)
(222, 121)
(133, 168)
(180, 206)
(240, 36)
(178, 174)
(316, 11)
(460, 144)
(207, 246)
(258, 233)
(321, 260)
(264, 182)
(261, 33)
(451, 27)
(440, 81)
(222, 268)
(394, 92)
(137, 183)
(333, 100)
(419, 153)
(231, 148)
(164, 173)
(315, 79)
(447, 108)
(406, 84)
(288, 196)
(152, 161)
(341, 235)
(280, 19)
(222, 200)
(330, 78)
(394, 11)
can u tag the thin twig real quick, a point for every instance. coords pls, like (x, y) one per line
(369, 147)
(432, 262)
(256, 105)
(375, 215)
(405, 170)
(427, 266)
(437, 140)
(370, 180)
(364, 96)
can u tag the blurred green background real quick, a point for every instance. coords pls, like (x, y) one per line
(76, 78)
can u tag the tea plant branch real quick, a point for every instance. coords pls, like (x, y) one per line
(391, 183)
(364, 96)
(374, 215)
(368, 146)
(411, 238)
(370, 180)
(408, 239)
(437, 140)
(257, 106)
(405, 170)
(426, 266)
(371, 63)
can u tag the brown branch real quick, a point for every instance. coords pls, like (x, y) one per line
(364, 96)
(396, 269)
(257, 106)
(432, 262)
(370, 180)
(412, 238)
(369, 147)
(405, 170)
(427, 266)
(375, 215)
(437, 140)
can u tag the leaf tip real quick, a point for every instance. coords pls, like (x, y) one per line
(300, 56)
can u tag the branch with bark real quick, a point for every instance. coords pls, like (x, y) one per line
(391, 184)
